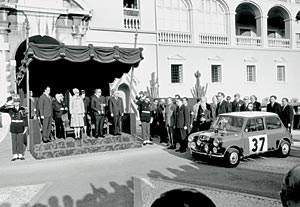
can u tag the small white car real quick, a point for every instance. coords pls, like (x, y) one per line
(241, 134)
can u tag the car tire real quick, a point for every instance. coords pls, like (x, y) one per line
(232, 158)
(284, 149)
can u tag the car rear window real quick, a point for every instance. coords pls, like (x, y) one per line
(272, 123)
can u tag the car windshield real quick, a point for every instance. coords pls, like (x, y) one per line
(229, 123)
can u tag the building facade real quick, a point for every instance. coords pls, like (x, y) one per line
(249, 47)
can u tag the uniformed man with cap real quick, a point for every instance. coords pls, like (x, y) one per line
(144, 108)
(18, 126)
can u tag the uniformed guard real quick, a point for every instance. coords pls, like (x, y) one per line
(18, 126)
(144, 108)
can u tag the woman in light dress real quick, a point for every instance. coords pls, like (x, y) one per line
(77, 112)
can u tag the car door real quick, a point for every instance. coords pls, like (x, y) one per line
(275, 130)
(255, 137)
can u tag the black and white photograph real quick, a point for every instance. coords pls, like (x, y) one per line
(149, 103)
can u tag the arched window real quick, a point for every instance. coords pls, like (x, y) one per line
(212, 19)
(173, 15)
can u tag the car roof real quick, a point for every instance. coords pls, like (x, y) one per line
(249, 114)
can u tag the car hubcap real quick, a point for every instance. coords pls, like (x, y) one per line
(285, 149)
(233, 158)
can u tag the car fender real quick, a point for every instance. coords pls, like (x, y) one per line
(235, 147)
(283, 139)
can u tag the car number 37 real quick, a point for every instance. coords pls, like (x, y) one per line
(258, 144)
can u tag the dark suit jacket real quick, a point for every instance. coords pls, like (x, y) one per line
(116, 106)
(256, 106)
(96, 105)
(57, 112)
(222, 108)
(181, 117)
(45, 106)
(237, 105)
(287, 115)
(275, 109)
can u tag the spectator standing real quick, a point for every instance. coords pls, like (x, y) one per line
(181, 123)
(46, 110)
(170, 115)
(154, 125)
(214, 105)
(237, 103)
(204, 117)
(98, 103)
(290, 188)
(87, 118)
(228, 99)
(287, 114)
(144, 108)
(58, 110)
(116, 109)
(191, 114)
(222, 106)
(18, 126)
(77, 113)
(273, 106)
(246, 103)
(256, 104)
(195, 113)
(161, 119)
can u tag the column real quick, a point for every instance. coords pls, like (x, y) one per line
(289, 33)
(4, 59)
(262, 29)
(231, 29)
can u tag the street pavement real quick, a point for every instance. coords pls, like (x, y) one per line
(135, 177)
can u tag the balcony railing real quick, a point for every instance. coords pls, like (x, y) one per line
(132, 22)
(279, 43)
(210, 39)
(175, 37)
(246, 41)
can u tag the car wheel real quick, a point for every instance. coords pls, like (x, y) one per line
(284, 149)
(232, 158)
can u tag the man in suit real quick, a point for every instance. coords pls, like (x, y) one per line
(181, 125)
(98, 103)
(222, 106)
(87, 117)
(116, 110)
(256, 104)
(58, 110)
(237, 103)
(287, 114)
(273, 106)
(46, 110)
(190, 112)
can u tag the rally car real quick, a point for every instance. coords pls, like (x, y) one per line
(240, 134)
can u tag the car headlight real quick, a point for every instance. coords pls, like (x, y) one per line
(216, 142)
(198, 142)
(215, 150)
(190, 138)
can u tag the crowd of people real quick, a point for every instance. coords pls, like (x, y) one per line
(172, 121)
(81, 112)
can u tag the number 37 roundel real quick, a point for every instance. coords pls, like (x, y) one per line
(258, 144)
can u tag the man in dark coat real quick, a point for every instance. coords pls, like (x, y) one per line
(182, 118)
(222, 106)
(87, 117)
(256, 104)
(46, 110)
(58, 110)
(161, 119)
(116, 110)
(287, 114)
(237, 103)
(98, 103)
(273, 106)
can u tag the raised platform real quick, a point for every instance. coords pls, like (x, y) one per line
(70, 146)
